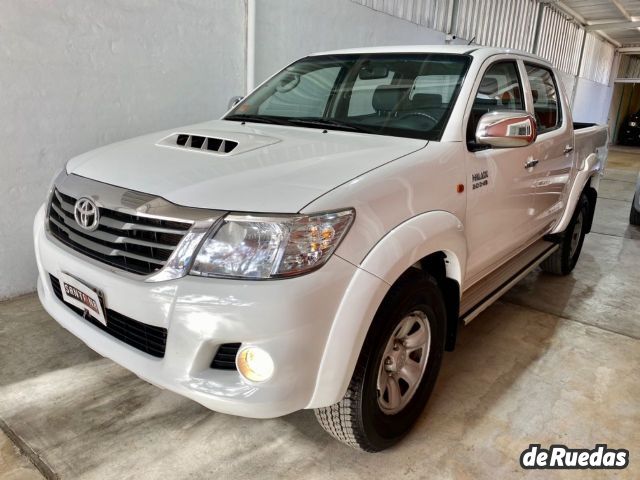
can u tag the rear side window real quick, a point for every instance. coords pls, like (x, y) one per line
(500, 89)
(545, 98)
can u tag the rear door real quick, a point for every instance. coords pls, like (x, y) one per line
(500, 190)
(553, 147)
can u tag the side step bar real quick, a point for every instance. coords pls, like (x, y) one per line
(481, 295)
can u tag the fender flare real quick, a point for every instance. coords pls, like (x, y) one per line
(402, 247)
(590, 167)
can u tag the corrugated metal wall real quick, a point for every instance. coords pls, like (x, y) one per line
(511, 24)
(430, 13)
(629, 67)
(560, 41)
(597, 59)
(498, 23)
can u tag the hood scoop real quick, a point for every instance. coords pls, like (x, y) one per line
(219, 145)
(230, 143)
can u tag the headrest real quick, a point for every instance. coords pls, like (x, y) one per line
(425, 100)
(488, 86)
(387, 97)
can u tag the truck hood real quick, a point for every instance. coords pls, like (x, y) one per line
(266, 168)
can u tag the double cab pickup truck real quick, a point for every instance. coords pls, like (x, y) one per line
(320, 245)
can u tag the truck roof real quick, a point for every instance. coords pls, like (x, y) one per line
(474, 50)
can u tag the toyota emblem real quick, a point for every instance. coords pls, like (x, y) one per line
(86, 214)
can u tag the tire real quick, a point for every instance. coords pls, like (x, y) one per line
(634, 215)
(373, 418)
(563, 260)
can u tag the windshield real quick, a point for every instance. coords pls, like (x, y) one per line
(400, 94)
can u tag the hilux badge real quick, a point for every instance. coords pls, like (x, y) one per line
(480, 179)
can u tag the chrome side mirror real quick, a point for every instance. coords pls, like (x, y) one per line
(233, 101)
(505, 129)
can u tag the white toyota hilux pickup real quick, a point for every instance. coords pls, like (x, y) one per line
(318, 246)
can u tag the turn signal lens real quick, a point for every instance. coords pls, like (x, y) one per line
(254, 364)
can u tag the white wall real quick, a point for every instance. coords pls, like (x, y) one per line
(592, 101)
(290, 29)
(76, 74)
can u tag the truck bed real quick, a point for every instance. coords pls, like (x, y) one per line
(589, 137)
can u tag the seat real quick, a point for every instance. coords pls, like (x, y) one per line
(387, 99)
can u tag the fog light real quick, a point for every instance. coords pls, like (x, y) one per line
(254, 364)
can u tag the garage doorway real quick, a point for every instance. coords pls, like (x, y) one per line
(625, 102)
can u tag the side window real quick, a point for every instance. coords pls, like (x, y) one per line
(301, 95)
(545, 98)
(500, 89)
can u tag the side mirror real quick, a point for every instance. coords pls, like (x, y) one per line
(505, 129)
(233, 101)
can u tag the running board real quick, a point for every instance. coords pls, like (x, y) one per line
(481, 295)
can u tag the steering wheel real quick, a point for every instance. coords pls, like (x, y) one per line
(432, 120)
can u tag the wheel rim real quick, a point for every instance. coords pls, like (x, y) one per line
(404, 362)
(576, 234)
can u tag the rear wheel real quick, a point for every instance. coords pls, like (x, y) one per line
(634, 216)
(397, 368)
(563, 260)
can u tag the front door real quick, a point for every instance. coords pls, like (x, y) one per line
(500, 188)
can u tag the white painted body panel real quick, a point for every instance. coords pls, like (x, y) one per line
(305, 163)
(287, 318)
(408, 204)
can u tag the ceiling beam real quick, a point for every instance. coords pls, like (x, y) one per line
(621, 8)
(629, 50)
(612, 26)
(581, 20)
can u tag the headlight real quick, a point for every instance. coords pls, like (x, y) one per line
(633, 124)
(253, 246)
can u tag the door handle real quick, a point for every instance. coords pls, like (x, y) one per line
(568, 149)
(531, 163)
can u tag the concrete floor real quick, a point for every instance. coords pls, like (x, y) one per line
(555, 361)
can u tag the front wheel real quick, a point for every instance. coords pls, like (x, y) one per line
(563, 260)
(397, 368)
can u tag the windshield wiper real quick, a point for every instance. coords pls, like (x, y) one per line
(328, 123)
(258, 119)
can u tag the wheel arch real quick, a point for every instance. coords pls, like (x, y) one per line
(592, 196)
(586, 181)
(434, 242)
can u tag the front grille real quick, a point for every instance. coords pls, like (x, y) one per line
(134, 243)
(225, 358)
(147, 338)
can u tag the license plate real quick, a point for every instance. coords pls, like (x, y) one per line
(82, 296)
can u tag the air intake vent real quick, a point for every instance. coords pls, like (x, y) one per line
(225, 358)
(197, 142)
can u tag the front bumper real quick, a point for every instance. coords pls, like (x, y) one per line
(291, 319)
